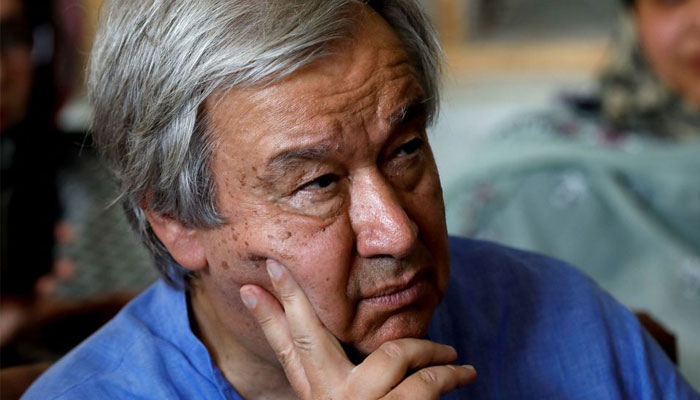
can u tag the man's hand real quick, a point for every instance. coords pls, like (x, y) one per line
(317, 367)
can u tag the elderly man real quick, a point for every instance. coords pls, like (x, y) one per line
(273, 156)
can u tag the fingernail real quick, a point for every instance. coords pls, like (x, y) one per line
(274, 269)
(249, 299)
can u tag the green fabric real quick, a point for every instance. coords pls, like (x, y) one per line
(626, 212)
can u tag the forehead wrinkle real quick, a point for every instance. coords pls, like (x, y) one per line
(380, 68)
(381, 113)
(378, 96)
(362, 78)
(359, 89)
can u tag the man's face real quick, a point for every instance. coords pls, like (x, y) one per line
(330, 173)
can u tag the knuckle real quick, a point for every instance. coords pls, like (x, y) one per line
(392, 350)
(287, 296)
(428, 376)
(286, 356)
(303, 343)
(266, 321)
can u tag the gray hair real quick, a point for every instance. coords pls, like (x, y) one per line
(155, 62)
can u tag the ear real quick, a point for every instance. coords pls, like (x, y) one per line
(181, 241)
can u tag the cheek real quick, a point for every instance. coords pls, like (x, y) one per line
(317, 253)
(428, 211)
(660, 36)
(229, 260)
(319, 256)
(426, 204)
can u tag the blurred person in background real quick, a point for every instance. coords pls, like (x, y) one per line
(69, 260)
(609, 181)
(29, 195)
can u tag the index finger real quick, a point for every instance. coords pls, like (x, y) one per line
(270, 316)
(319, 351)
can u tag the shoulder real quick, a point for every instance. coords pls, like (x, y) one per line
(508, 266)
(505, 279)
(503, 282)
(547, 329)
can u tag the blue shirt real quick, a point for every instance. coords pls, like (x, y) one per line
(533, 327)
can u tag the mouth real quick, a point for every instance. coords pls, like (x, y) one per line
(399, 294)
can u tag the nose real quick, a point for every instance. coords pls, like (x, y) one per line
(378, 218)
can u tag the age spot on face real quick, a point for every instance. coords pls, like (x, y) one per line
(225, 266)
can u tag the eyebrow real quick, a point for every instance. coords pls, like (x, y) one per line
(290, 159)
(415, 108)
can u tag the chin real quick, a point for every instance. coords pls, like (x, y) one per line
(410, 324)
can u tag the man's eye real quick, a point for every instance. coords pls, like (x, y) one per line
(321, 182)
(410, 147)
